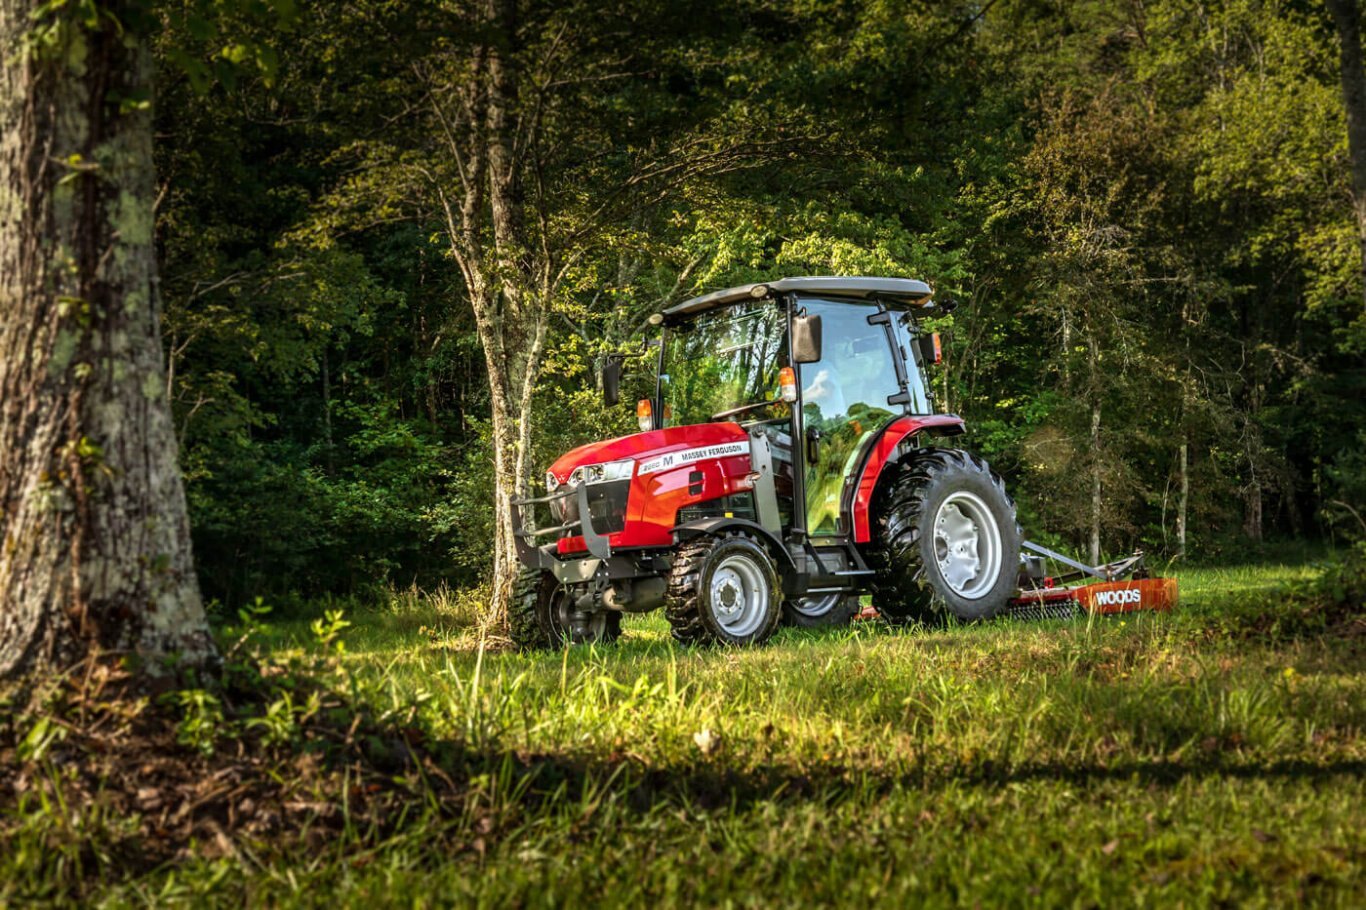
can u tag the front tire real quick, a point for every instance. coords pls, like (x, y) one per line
(723, 590)
(946, 539)
(542, 616)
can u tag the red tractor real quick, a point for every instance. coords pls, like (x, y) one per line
(782, 469)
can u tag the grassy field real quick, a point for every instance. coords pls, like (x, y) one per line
(1214, 756)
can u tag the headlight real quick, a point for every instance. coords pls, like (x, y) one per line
(551, 482)
(600, 473)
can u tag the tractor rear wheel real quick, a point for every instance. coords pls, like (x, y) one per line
(542, 616)
(820, 610)
(945, 539)
(723, 590)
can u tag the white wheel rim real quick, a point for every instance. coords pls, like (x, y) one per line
(816, 607)
(739, 595)
(967, 545)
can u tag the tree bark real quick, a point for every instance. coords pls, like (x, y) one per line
(509, 281)
(1096, 466)
(1252, 511)
(1347, 20)
(1183, 501)
(1096, 500)
(96, 542)
(512, 428)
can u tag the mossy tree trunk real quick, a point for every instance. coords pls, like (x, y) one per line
(94, 538)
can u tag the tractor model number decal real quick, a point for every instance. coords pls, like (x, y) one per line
(688, 456)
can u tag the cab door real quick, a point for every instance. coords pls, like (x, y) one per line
(844, 401)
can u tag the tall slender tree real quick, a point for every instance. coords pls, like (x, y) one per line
(96, 545)
(515, 151)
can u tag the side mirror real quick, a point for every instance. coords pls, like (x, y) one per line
(611, 380)
(806, 338)
(930, 349)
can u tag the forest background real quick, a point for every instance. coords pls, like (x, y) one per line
(1143, 209)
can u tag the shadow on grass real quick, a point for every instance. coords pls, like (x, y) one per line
(145, 794)
(716, 787)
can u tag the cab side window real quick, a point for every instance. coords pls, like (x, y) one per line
(844, 398)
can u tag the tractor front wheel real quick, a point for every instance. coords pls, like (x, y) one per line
(542, 615)
(723, 590)
(946, 541)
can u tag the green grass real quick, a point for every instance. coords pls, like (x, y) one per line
(1206, 757)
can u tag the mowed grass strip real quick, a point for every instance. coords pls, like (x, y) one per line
(1211, 756)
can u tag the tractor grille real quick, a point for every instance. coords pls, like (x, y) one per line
(606, 506)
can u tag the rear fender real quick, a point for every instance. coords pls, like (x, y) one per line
(881, 453)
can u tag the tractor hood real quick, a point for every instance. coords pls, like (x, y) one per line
(648, 446)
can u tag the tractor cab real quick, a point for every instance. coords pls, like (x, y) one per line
(779, 411)
(813, 366)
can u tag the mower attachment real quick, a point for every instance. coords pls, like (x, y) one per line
(1123, 587)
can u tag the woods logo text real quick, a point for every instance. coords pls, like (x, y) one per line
(1119, 598)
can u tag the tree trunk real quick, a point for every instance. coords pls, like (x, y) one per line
(1347, 19)
(1096, 504)
(1093, 363)
(1183, 501)
(505, 205)
(96, 544)
(505, 434)
(1252, 511)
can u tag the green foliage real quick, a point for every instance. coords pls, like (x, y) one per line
(328, 630)
(1141, 209)
(35, 744)
(202, 723)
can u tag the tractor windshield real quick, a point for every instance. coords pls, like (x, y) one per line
(722, 360)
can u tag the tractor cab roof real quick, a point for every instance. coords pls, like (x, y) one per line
(892, 291)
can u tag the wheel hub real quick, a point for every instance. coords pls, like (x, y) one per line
(739, 592)
(967, 545)
(730, 597)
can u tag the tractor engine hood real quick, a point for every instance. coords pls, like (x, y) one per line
(652, 450)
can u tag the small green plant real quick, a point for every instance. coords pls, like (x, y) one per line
(203, 720)
(280, 722)
(40, 738)
(251, 618)
(328, 631)
(277, 724)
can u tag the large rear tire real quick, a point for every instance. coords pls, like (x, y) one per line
(542, 616)
(945, 539)
(724, 591)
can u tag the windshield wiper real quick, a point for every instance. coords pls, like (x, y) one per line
(752, 406)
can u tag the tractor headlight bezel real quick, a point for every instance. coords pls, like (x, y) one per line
(603, 473)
